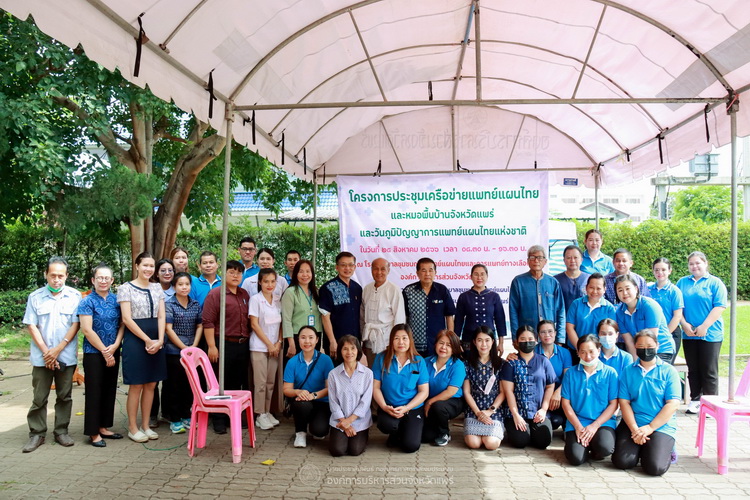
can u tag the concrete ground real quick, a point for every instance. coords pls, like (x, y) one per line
(162, 468)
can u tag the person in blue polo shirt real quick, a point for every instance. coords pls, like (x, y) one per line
(340, 303)
(587, 312)
(572, 280)
(429, 307)
(649, 394)
(611, 355)
(400, 389)
(248, 249)
(528, 383)
(306, 387)
(447, 373)
(594, 261)
(669, 297)
(208, 279)
(589, 399)
(703, 329)
(636, 313)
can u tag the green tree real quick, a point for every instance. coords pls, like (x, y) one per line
(55, 104)
(710, 204)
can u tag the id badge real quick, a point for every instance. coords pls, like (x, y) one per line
(490, 383)
(311, 320)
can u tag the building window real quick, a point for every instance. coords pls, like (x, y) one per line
(611, 200)
(587, 200)
(568, 200)
(633, 201)
(636, 218)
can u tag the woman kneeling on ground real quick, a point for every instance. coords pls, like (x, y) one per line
(589, 399)
(447, 373)
(306, 388)
(400, 388)
(649, 394)
(349, 395)
(528, 384)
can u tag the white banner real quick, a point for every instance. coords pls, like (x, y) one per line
(457, 220)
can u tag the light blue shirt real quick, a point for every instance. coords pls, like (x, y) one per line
(200, 287)
(647, 314)
(589, 395)
(296, 371)
(603, 265)
(560, 360)
(400, 386)
(649, 392)
(619, 359)
(350, 396)
(585, 320)
(669, 297)
(532, 300)
(53, 316)
(700, 297)
(453, 374)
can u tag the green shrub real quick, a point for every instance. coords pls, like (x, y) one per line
(13, 306)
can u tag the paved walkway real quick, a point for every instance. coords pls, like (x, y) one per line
(162, 469)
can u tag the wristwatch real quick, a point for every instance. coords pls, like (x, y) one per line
(493, 408)
(315, 395)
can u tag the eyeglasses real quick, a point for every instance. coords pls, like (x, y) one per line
(103, 279)
(537, 257)
(166, 271)
(247, 249)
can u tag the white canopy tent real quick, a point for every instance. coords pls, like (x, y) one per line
(604, 91)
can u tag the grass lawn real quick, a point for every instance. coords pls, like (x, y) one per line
(743, 331)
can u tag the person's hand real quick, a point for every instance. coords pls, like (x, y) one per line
(109, 360)
(427, 407)
(332, 349)
(304, 396)
(350, 432)
(540, 416)
(291, 351)
(213, 354)
(700, 331)
(586, 434)
(106, 351)
(688, 329)
(401, 411)
(390, 410)
(485, 416)
(50, 357)
(641, 434)
(554, 403)
(519, 422)
(512, 356)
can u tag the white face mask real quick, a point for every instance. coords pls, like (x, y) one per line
(608, 342)
(593, 362)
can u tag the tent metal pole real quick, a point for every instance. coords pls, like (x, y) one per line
(733, 106)
(315, 218)
(478, 50)
(596, 197)
(229, 117)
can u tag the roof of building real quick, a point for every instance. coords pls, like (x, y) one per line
(251, 202)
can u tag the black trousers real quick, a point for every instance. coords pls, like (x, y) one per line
(312, 414)
(655, 454)
(101, 392)
(177, 397)
(407, 429)
(236, 364)
(677, 336)
(437, 422)
(702, 360)
(536, 435)
(339, 444)
(556, 418)
(602, 445)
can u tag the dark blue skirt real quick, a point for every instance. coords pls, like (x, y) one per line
(138, 366)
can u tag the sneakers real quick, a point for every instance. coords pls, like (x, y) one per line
(138, 437)
(272, 419)
(177, 427)
(443, 440)
(300, 440)
(186, 423)
(150, 434)
(693, 408)
(263, 422)
(673, 457)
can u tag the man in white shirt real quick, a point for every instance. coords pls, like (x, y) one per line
(382, 308)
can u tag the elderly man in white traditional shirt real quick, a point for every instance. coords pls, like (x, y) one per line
(382, 307)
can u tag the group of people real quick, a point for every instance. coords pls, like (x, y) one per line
(310, 349)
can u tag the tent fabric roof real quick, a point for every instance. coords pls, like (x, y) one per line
(483, 62)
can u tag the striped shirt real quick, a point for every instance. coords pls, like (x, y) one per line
(350, 396)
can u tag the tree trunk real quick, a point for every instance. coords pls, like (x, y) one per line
(137, 243)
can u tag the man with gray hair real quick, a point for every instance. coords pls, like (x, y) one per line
(382, 307)
(535, 296)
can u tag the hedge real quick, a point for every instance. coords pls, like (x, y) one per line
(13, 306)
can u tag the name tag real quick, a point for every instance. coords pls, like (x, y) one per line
(311, 320)
(490, 383)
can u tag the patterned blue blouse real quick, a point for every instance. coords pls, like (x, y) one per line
(478, 378)
(105, 315)
(184, 321)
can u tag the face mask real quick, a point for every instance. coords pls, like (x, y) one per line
(608, 342)
(54, 290)
(593, 362)
(527, 347)
(646, 354)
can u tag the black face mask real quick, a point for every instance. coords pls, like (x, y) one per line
(646, 354)
(527, 347)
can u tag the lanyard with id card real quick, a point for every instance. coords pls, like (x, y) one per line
(311, 316)
(490, 383)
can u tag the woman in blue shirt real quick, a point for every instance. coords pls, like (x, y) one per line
(589, 399)
(636, 313)
(586, 312)
(400, 389)
(561, 361)
(483, 392)
(479, 306)
(669, 298)
(99, 314)
(649, 394)
(528, 383)
(705, 299)
(612, 355)
(447, 373)
(306, 388)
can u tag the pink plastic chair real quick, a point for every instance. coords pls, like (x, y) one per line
(724, 413)
(193, 359)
